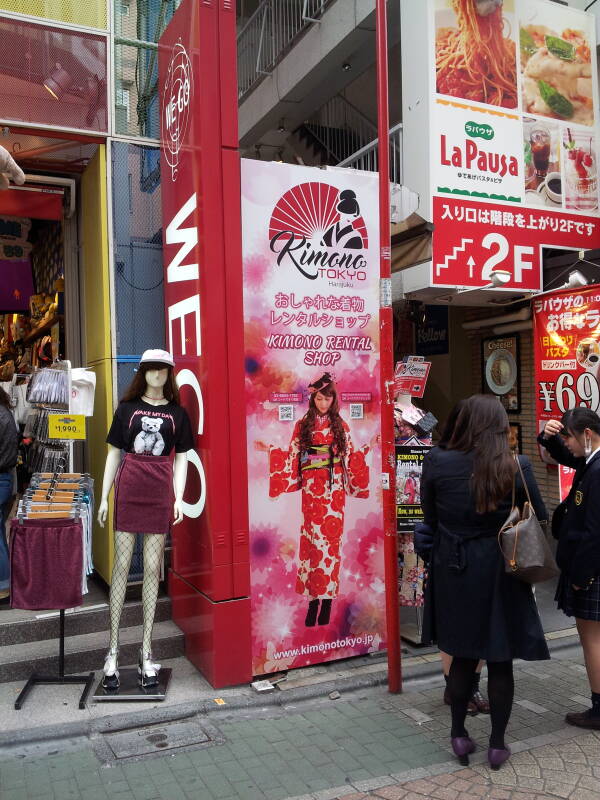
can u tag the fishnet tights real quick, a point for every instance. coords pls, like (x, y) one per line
(154, 544)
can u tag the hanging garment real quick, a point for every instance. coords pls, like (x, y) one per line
(83, 387)
(46, 563)
(144, 494)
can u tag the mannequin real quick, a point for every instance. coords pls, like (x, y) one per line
(148, 424)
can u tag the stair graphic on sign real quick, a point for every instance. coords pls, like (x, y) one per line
(455, 251)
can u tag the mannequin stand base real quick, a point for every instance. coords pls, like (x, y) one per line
(130, 690)
(56, 680)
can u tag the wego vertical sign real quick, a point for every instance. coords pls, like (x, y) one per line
(203, 295)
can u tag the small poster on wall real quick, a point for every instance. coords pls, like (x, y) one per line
(500, 370)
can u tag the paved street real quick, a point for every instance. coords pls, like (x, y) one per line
(364, 744)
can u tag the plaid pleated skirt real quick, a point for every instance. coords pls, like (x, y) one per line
(144, 494)
(583, 604)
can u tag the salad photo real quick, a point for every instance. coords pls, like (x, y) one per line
(556, 67)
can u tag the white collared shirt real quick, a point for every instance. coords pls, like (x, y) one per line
(589, 458)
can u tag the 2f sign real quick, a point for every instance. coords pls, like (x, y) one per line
(520, 259)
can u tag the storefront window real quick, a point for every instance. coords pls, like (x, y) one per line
(137, 232)
(53, 76)
(76, 12)
(144, 21)
(136, 90)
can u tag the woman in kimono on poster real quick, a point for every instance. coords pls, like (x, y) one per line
(323, 464)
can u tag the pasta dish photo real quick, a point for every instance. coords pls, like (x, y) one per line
(475, 54)
(557, 73)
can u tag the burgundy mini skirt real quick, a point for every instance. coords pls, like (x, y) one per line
(144, 494)
(46, 563)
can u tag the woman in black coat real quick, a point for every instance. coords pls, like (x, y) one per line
(576, 525)
(473, 608)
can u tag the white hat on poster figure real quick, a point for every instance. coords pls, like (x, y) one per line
(157, 357)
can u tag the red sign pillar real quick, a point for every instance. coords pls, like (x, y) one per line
(200, 192)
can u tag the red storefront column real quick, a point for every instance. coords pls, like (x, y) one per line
(209, 580)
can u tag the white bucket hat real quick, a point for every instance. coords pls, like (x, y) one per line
(157, 357)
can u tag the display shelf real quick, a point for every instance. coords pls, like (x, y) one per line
(41, 330)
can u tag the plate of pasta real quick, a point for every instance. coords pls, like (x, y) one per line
(476, 55)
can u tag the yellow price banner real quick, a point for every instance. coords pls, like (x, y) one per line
(66, 426)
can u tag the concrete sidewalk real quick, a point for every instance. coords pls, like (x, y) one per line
(366, 743)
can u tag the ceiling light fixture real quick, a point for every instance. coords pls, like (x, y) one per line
(346, 66)
(59, 82)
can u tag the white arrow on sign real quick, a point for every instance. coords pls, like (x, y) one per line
(471, 265)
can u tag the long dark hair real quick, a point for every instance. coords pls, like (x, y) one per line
(482, 428)
(307, 423)
(5, 398)
(578, 419)
(137, 387)
(451, 423)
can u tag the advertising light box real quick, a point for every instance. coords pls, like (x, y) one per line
(311, 311)
(511, 125)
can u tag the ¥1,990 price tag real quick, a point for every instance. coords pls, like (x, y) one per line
(66, 426)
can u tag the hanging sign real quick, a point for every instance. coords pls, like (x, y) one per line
(567, 352)
(66, 426)
(411, 376)
(513, 147)
(311, 311)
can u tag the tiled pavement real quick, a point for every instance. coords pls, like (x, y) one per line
(371, 742)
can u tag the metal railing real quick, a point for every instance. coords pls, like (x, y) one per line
(269, 34)
(366, 157)
(340, 128)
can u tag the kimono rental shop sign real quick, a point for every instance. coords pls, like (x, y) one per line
(311, 310)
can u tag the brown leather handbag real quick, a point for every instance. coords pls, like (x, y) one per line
(526, 551)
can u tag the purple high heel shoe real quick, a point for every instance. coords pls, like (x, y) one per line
(497, 756)
(463, 746)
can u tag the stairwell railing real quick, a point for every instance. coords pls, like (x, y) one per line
(366, 157)
(269, 34)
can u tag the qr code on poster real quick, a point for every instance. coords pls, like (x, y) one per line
(356, 410)
(286, 413)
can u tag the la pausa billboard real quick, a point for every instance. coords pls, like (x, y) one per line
(567, 352)
(520, 133)
(311, 310)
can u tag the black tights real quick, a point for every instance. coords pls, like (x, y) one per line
(501, 689)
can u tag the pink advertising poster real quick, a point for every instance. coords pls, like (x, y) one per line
(311, 311)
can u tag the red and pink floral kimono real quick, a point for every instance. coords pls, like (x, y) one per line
(325, 480)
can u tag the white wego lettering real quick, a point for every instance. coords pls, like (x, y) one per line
(188, 238)
(178, 272)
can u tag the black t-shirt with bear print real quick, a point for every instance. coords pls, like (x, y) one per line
(142, 428)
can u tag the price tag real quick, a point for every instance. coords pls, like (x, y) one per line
(66, 426)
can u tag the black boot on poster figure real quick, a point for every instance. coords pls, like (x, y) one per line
(325, 614)
(311, 614)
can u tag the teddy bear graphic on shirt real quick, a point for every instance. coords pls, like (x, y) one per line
(149, 440)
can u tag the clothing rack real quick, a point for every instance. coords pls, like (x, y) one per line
(54, 502)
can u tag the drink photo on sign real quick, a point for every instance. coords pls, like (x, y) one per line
(541, 154)
(556, 62)
(476, 51)
(581, 170)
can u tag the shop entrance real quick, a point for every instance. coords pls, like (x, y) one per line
(55, 309)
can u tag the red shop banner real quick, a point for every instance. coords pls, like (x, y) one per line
(567, 352)
(472, 239)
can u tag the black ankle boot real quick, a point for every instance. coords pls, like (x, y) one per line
(311, 614)
(325, 612)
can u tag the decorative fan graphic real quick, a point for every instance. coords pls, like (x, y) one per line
(311, 210)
